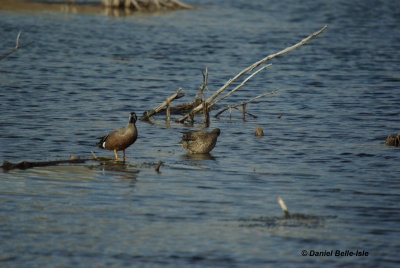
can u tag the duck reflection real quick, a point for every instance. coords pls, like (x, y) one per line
(207, 156)
(120, 169)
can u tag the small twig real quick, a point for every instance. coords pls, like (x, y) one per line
(17, 42)
(200, 91)
(283, 207)
(244, 103)
(206, 114)
(94, 155)
(157, 169)
(168, 110)
(252, 115)
(17, 46)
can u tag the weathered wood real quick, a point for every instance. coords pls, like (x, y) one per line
(146, 5)
(17, 46)
(248, 69)
(241, 85)
(26, 164)
(393, 140)
(283, 207)
(147, 114)
(157, 169)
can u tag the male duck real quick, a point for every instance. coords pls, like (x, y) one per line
(198, 141)
(120, 138)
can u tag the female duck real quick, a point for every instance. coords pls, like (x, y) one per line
(198, 141)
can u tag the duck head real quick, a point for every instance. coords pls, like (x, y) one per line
(216, 131)
(132, 118)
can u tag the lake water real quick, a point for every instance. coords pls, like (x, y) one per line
(325, 156)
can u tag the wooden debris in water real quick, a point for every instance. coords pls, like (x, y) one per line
(246, 70)
(283, 207)
(157, 169)
(258, 132)
(27, 164)
(243, 104)
(393, 140)
(146, 5)
(17, 46)
(147, 114)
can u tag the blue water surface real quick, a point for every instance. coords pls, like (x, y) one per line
(325, 156)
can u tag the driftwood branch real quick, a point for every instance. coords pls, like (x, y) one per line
(283, 207)
(17, 46)
(239, 86)
(26, 164)
(244, 103)
(147, 114)
(200, 91)
(72, 160)
(248, 69)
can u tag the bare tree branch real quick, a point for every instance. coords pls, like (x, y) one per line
(146, 115)
(17, 46)
(250, 68)
(244, 103)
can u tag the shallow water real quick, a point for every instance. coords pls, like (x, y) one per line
(326, 157)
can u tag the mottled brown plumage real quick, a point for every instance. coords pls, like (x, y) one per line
(198, 141)
(258, 131)
(120, 138)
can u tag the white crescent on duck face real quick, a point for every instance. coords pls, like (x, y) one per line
(198, 141)
(121, 138)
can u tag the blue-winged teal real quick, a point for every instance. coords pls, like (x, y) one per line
(120, 138)
(198, 141)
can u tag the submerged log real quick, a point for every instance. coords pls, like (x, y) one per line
(28, 164)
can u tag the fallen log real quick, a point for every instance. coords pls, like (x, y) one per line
(28, 164)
